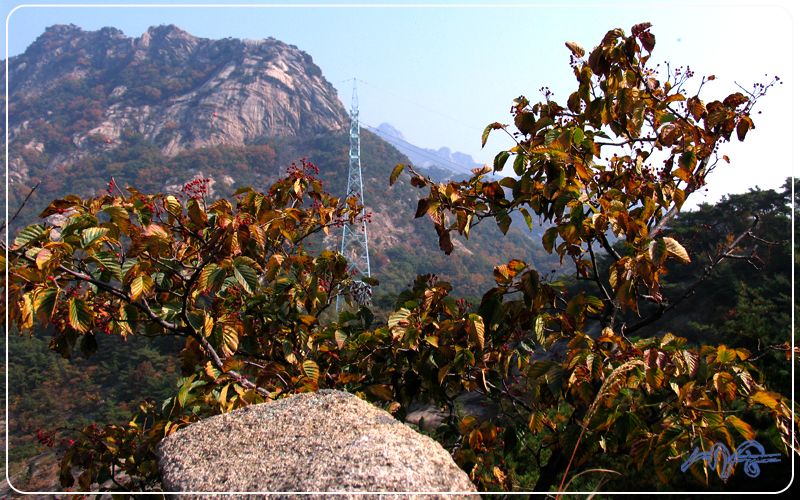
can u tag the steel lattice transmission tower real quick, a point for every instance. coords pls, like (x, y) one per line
(355, 246)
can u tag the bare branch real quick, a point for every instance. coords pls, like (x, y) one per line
(3, 225)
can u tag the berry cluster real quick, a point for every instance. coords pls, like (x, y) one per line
(361, 292)
(195, 189)
(45, 437)
(151, 206)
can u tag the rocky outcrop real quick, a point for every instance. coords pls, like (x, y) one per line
(181, 91)
(327, 441)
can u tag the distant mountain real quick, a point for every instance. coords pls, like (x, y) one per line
(440, 163)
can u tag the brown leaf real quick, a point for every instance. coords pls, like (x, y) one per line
(676, 250)
(480, 171)
(696, 107)
(640, 28)
(444, 242)
(742, 127)
(382, 391)
(493, 191)
(648, 41)
(422, 207)
(735, 100)
(576, 49)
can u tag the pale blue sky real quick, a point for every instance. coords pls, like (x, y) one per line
(440, 74)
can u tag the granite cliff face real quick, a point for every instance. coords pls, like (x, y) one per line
(180, 91)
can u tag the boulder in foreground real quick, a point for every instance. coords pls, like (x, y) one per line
(327, 441)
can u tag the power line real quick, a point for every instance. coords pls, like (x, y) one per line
(472, 127)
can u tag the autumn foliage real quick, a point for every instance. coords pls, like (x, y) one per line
(234, 280)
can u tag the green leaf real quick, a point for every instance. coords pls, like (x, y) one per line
(670, 434)
(45, 303)
(538, 369)
(197, 320)
(688, 160)
(80, 317)
(549, 239)
(485, 134)
(88, 344)
(370, 281)
(519, 164)
(129, 314)
(657, 251)
(500, 160)
(212, 276)
(554, 377)
(183, 393)
(89, 236)
(537, 422)
(503, 221)
(120, 217)
(396, 173)
(29, 235)
(627, 424)
(527, 216)
(110, 263)
(664, 459)
(397, 317)
(247, 277)
(551, 135)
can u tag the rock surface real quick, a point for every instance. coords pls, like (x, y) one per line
(328, 441)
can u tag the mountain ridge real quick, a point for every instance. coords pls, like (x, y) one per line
(179, 91)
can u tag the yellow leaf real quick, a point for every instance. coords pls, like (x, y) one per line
(140, 285)
(311, 369)
(741, 427)
(43, 257)
(382, 391)
(674, 249)
(475, 328)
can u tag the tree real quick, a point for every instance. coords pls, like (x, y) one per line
(664, 145)
(253, 304)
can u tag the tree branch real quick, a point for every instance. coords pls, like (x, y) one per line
(689, 290)
(3, 225)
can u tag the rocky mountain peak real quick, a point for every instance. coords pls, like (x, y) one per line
(180, 91)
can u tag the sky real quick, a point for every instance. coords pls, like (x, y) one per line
(441, 73)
